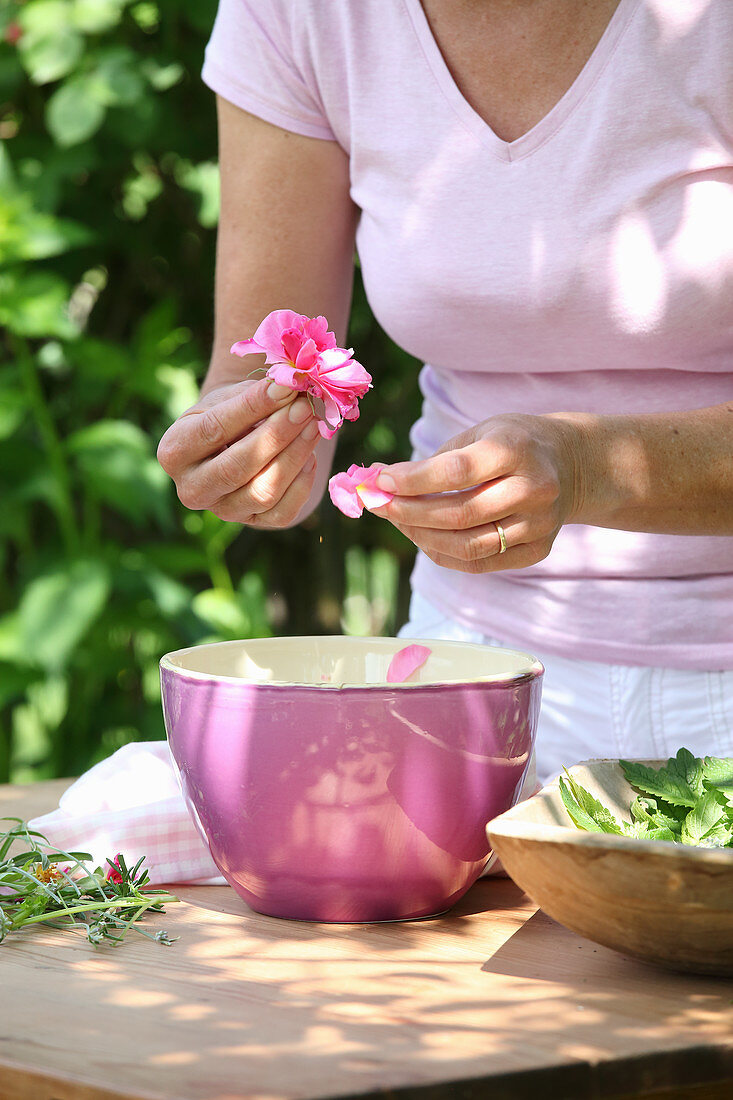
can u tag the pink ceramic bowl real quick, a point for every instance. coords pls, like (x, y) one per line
(326, 793)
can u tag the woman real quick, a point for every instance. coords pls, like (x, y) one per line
(541, 194)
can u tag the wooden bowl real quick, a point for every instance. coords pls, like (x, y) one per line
(665, 903)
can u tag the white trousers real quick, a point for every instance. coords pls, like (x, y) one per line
(590, 709)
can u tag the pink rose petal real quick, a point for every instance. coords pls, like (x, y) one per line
(354, 490)
(285, 375)
(307, 356)
(317, 329)
(407, 661)
(246, 347)
(269, 333)
(326, 432)
(373, 497)
(343, 495)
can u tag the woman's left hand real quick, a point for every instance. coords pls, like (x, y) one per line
(518, 471)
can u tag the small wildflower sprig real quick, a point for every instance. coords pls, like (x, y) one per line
(43, 884)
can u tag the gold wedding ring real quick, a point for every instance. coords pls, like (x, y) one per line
(502, 537)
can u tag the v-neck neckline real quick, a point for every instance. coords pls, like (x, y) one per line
(551, 122)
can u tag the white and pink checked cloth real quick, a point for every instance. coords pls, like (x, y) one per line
(132, 803)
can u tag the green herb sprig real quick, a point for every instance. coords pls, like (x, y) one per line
(43, 884)
(687, 801)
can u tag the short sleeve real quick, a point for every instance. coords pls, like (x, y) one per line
(250, 62)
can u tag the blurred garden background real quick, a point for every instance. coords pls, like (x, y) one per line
(108, 213)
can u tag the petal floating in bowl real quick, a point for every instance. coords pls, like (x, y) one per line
(407, 661)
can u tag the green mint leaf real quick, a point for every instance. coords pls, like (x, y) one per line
(718, 773)
(707, 821)
(645, 810)
(580, 818)
(643, 807)
(721, 836)
(671, 824)
(663, 782)
(585, 810)
(690, 770)
(662, 834)
(647, 830)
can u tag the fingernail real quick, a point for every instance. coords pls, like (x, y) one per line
(384, 481)
(310, 431)
(278, 393)
(310, 464)
(299, 411)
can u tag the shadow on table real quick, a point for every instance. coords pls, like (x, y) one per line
(525, 954)
(485, 896)
(597, 978)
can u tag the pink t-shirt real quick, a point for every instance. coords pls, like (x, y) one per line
(586, 266)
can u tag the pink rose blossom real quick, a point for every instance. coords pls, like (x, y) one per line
(302, 354)
(407, 661)
(355, 490)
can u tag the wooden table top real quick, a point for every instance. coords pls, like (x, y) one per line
(492, 1000)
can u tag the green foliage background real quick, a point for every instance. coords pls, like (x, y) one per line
(108, 211)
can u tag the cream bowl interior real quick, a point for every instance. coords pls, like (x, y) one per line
(340, 661)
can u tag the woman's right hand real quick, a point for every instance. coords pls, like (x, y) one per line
(245, 453)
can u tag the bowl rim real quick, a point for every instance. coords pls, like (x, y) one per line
(534, 670)
(512, 825)
(537, 833)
